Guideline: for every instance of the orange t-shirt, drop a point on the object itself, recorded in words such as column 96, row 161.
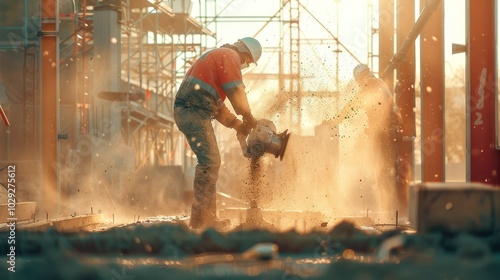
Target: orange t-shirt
column 216, row 71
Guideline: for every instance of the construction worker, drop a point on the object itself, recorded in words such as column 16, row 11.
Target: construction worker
column 215, row 75
column 384, row 119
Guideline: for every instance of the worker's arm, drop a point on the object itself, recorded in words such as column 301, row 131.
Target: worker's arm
column 226, row 118
column 232, row 84
column 238, row 98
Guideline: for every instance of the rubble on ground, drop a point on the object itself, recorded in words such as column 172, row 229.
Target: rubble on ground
column 172, row 251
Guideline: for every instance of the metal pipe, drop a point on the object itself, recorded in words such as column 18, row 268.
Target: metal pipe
column 84, row 72
column 129, row 45
column 412, row 36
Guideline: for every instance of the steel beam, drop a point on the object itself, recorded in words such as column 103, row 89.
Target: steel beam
column 482, row 156
column 405, row 99
column 432, row 95
column 49, row 84
column 4, row 116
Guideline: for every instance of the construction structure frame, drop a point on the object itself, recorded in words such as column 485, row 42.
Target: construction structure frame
column 86, row 89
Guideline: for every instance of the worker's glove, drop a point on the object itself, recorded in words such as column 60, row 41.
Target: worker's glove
column 236, row 125
column 242, row 137
column 249, row 123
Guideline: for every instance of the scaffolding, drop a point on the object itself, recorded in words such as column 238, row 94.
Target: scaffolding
column 161, row 39
column 153, row 39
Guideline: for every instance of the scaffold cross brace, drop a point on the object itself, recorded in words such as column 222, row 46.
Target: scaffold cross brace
column 4, row 116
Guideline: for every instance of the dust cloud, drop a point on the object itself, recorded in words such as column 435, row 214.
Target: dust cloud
column 105, row 180
column 324, row 177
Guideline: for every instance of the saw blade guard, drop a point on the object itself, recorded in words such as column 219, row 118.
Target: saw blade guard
column 264, row 139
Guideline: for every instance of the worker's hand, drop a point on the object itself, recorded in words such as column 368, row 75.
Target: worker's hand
column 236, row 125
column 242, row 139
column 240, row 133
column 249, row 123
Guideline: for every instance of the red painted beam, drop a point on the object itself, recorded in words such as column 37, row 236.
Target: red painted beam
column 405, row 99
column 49, row 66
column 4, row 116
column 482, row 153
column 432, row 96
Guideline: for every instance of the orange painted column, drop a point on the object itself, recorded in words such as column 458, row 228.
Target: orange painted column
column 482, row 155
column 49, row 81
column 432, row 96
column 405, row 99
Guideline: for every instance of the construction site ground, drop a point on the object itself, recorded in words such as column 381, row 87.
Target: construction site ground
column 166, row 248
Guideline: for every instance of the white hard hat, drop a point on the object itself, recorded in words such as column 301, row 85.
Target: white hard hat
column 250, row 46
column 360, row 72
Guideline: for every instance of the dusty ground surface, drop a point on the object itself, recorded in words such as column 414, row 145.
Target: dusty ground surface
column 172, row 251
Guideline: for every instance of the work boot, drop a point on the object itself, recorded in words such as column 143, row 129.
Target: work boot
column 220, row 224
column 197, row 223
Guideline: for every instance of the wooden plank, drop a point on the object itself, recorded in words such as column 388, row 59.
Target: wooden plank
column 71, row 224
column 68, row 224
column 23, row 211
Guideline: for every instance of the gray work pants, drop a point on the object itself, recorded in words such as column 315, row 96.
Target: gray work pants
column 195, row 123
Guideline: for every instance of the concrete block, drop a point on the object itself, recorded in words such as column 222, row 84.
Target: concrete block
column 454, row 207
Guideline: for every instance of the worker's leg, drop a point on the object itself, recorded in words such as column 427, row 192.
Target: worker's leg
column 197, row 128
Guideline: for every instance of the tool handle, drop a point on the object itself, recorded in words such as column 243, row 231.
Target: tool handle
column 243, row 144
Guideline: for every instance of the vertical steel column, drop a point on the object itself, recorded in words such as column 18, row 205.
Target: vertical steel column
column 295, row 81
column 405, row 99
column 482, row 156
column 49, row 43
column 30, row 102
column 281, row 54
column 85, row 107
column 432, row 96
column 386, row 40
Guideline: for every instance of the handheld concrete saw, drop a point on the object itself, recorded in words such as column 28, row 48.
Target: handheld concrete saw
column 264, row 139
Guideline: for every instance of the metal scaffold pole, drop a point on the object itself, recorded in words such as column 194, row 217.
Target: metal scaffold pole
column 295, row 91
